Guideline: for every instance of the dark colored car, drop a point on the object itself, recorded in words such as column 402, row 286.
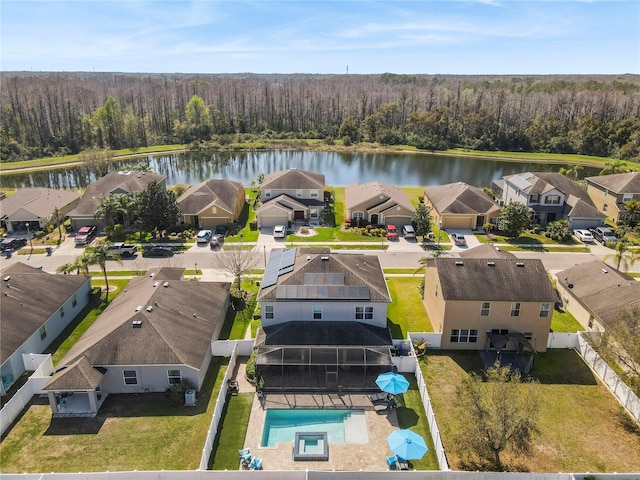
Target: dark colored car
column 216, row 242
column 12, row 243
column 157, row 252
column 221, row 231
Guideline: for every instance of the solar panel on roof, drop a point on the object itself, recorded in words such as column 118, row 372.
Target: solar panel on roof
column 520, row 182
column 280, row 262
column 324, row 278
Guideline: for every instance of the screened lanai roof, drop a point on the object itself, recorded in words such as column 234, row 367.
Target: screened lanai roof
column 299, row 355
column 325, row 333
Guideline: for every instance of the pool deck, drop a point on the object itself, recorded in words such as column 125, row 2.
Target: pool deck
column 345, row 456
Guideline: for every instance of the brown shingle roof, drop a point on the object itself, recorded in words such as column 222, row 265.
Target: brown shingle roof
column 80, row 375
column 498, row 279
column 29, row 298
column 39, row 201
column 460, row 198
column 618, row 182
column 601, row 289
column 293, row 178
column 217, row 192
column 371, row 192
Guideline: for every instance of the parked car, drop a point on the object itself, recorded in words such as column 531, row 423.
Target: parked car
column 12, row 243
column 604, row 235
column 221, row 231
column 392, row 232
column 279, row 231
column 85, row 235
column 125, row 250
column 408, row 231
column 204, row 236
column 583, row 235
column 458, row 239
column 216, row 242
column 157, row 252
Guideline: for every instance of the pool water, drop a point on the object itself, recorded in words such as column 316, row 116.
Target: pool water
column 342, row 426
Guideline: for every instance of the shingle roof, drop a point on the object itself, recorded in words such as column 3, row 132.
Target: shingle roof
column 39, row 201
column 374, row 193
column 486, row 251
column 460, row 198
column 601, row 289
column 497, row 279
column 177, row 324
column 323, row 334
column 358, row 271
column 130, row 182
column 80, row 375
column 542, row 182
column 29, row 298
column 293, row 178
column 582, row 209
column 618, row 182
column 217, row 192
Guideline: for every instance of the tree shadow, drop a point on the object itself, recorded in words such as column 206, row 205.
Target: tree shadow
column 562, row 367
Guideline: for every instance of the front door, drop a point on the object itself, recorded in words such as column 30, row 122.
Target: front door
column 374, row 219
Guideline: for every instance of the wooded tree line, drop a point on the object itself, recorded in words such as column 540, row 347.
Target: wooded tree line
column 55, row 114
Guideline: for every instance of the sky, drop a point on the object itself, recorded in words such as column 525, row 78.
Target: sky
column 499, row 37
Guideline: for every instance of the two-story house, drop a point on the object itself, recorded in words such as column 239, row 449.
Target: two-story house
column 550, row 196
column 378, row 203
column 324, row 321
column 489, row 303
column 290, row 196
column 610, row 192
column 214, row 202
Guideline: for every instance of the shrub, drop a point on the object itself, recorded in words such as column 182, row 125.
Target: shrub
column 176, row 391
column 304, row 230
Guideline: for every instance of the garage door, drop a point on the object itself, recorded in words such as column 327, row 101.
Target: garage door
column 398, row 221
column 458, row 222
column 272, row 221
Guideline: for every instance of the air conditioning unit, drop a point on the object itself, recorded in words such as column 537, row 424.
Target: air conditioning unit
column 190, row 398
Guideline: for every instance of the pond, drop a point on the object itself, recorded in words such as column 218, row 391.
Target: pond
column 339, row 168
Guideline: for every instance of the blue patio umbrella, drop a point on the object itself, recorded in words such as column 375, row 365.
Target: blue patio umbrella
column 392, row 382
column 407, row 444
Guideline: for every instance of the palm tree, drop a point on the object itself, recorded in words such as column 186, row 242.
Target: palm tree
column 98, row 255
column 79, row 265
column 614, row 166
column 125, row 205
column 624, row 256
column 106, row 210
column 632, row 208
column 572, row 172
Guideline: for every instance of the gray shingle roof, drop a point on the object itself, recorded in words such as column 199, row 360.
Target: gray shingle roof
column 601, row 289
column 542, row 182
column 618, row 182
column 292, row 179
column 486, row 251
column 80, row 375
column 324, row 334
column 358, row 193
column 496, row 279
column 39, row 201
column 217, row 192
column 460, row 198
column 29, row 298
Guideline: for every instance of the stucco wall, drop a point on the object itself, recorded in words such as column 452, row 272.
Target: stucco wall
column 331, row 311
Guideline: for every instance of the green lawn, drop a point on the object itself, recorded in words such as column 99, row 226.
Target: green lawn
column 247, row 217
column 583, row 428
column 406, row 311
column 563, row 321
column 527, row 238
column 232, row 432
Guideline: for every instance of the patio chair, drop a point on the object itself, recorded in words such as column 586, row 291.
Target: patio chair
column 244, row 453
column 234, row 387
column 256, row 464
column 392, row 462
column 378, row 397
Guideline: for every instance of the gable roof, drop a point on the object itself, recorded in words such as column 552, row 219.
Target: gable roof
column 543, row 182
column 375, row 193
column 460, row 198
column 80, row 375
column 618, row 182
column 497, row 279
column 581, row 209
column 38, row 201
column 123, row 182
column 215, row 192
column 177, row 322
column 293, row 179
column 288, row 203
column 324, row 333
column 21, row 315
column 602, row 289
column 486, row 251
column 315, row 273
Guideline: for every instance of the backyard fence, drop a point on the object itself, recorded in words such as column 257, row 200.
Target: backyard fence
column 623, row 393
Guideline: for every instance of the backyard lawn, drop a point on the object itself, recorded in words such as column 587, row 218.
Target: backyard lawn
column 563, row 321
column 583, row 427
column 406, row 312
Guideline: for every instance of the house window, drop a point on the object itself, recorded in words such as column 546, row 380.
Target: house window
column 74, row 300
column 314, row 194
column 313, row 214
column 268, row 312
column 528, row 335
column 627, row 196
column 267, row 193
column 485, row 309
column 545, row 308
column 43, row 332
column 130, row 377
column 61, row 311
column 364, row 313
column 515, row 309
column 552, row 200
column 358, row 215
column 591, row 321
column 464, row 336
column 535, row 198
column 604, row 207
column 606, row 192
column 298, row 193
column 175, row 377
column 317, row 312
column 214, row 209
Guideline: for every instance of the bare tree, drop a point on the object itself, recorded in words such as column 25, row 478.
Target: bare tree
column 621, row 341
column 236, row 262
column 97, row 160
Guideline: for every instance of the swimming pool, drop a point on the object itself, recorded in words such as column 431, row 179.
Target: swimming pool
column 342, row 426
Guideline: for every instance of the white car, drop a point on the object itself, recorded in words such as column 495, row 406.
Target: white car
column 203, row 236
column 583, row 235
column 408, row 231
column 458, row 239
column 279, row 231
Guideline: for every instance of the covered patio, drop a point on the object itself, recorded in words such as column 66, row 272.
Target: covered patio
column 512, row 349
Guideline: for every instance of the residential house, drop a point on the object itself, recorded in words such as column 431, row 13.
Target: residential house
column 489, row 303
column 378, row 203
column 211, row 203
column 550, row 196
column 596, row 293
column 290, row 196
column 37, row 207
column 156, row 333
column 610, row 192
column 486, row 251
column 324, row 321
column 124, row 182
column 36, row 308
column 459, row 205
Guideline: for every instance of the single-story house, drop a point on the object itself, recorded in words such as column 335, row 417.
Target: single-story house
column 156, row 333
column 486, row 251
column 290, row 196
column 129, row 183
column 214, row 202
column 459, row 205
column 36, row 307
column 378, row 203
column 596, row 293
column 610, row 192
column 37, row 207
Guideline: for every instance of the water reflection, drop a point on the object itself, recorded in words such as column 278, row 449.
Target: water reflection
column 340, row 168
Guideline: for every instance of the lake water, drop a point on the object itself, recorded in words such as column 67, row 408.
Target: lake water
column 339, row 168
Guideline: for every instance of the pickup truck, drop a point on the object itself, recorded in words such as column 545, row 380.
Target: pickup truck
column 124, row 249
column 85, row 235
column 603, row 235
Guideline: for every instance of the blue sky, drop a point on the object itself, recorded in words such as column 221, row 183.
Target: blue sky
column 326, row 36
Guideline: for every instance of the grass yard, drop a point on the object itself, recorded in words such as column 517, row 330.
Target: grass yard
column 563, row 321
column 406, row 311
column 246, row 218
column 583, row 427
column 166, row 436
column 232, row 432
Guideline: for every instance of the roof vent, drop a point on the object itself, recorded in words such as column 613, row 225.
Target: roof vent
column 491, row 264
column 152, row 274
column 460, row 264
column 165, row 284
column 138, row 308
column 155, row 284
column 7, row 278
column 308, row 257
column 149, row 308
column 519, row 264
column 604, row 270
column 324, row 259
column 136, row 324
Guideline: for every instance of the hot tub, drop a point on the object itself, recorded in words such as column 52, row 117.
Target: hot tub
column 311, row 446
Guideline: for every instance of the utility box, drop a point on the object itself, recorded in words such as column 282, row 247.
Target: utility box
column 190, row 398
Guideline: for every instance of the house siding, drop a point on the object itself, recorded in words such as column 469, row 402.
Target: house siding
column 579, row 311
column 151, row 378
column 331, row 311
column 306, row 193
column 599, row 199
